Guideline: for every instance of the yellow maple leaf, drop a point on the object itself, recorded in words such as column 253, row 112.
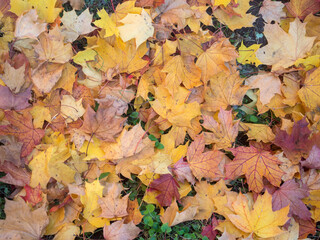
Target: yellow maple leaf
column 46, row 8
column 284, row 48
column 223, row 132
column 236, row 21
column 174, row 107
column 247, row 54
column 224, row 90
column 136, row 26
column 213, row 60
column 309, row 93
column 181, row 69
column 259, row 218
column 105, row 22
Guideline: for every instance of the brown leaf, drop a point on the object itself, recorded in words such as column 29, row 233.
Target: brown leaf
column 134, row 213
column 120, row 231
column 168, row 188
column 255, row 163
column 204, row 164
column 291, row 193
column 302, row 8
column 104, row 123
column 182, row 171
column 19, row 101
column 112, row 205
column 23, row 223
column 21, row 126
column 15, row 175
column 297, row 144
column 313, row 161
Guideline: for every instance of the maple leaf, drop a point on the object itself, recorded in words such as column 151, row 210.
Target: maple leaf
column 168, row 188
column 247, row 54
column 33, row 195
column 104, row 123
column 224, row 90
column 272, row 11
column 260, row 132
column 309, row 93
column 259, row 218
column 27, row 25
column 213, row 60
column 204, row 164
column 106, row 23
column 239, row 19
column 268, row 83
column 284, row 48
column 172, row 216
column 13, row 78
column 174, row 107
column 209, row 231
column 19, row 101
column 302, row 8
column 74, row 25
column 297, row 144
column 14, row 175
column 119, row 230
column 255, row 163
column 223, row 133
column 291, row 193
column 21, row 126
column 313, row 160
column 45, row 8
column 181, row 69
column 23, row 223
column 182, row 171
column 112, row 205
column 136, row 26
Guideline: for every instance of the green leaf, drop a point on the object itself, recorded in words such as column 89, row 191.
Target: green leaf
column 148, row 221
column 150, row 208
column 159, row 145
column 103, row 175
column 152, row 137
column 165, row 228
column 134, row 115
column 253, row 119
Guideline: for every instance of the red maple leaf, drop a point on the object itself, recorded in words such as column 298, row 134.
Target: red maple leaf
column 297, row 143
column 21, row 126
column 168, row 188
column 291, row 193
column 33, row 195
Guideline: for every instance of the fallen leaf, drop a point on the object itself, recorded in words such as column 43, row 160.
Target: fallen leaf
column 297, row 144
column 172, row 216
column 28, row 26
column 213, row 60
column 224, row 91
column 136, row 26
column 23, row 223
column 21, row 126
column 13, row 78
column 255, row 163
column 120, row 231
column 268, row 83
column 104, row 124
column 284, row 48
column 204, row 165
column 19, row 101
column 290, row 194
column 71, row 109
column 302, row 8
column 224, row 132
column 272, row 11
column 75, row 25
column 33, row 195
column 309, row 93
column 168, row 188
column 112, row 205
column 259, row 218
column 182, row 171
column 313, row 160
